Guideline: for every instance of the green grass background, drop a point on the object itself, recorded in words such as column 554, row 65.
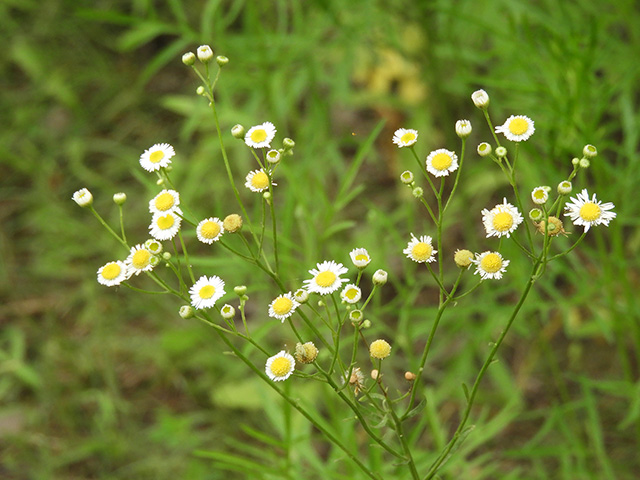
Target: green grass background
column 102, row 383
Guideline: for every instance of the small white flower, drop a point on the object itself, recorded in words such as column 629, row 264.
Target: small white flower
column 260, row 136
column 517, row 128
column 83, row 197
column 405, row 137
column 484, row 149
column 280, row 366
column 420, row 249
column 360, row 257
column 157, row 157
column 501, row 220
column 463, row 128
column 227, row 311
column 379, row 278
column 326, row 278
column 205, row 54
column 283, row 306
column 351, row 294
column 589, row 212
column 165, row 201
column 209, row 230
column 539, row 195
column 490, row 265
column 257, row 181
column 139, row 260
column 206, row 291
column 113, row 273
column 165, row 226
column 565, row 187
column 442, row 162
column 480, row 99
column 273, row 156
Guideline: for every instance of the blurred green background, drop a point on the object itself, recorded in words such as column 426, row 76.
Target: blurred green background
column 100, row 383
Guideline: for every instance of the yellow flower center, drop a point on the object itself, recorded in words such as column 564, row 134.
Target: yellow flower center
column 518, row 126
column 361, row 257
column 164, row 201
column 210, row 229
column 156, row 156
column 140, row 259
column 539, row 194
column 502, row 221
column 280, row 366
column 207, row 292
column 282, row 306
column 590, row 212
column 491, row 263
column 260, row 180
column 111, row 271
column 259, row 135
column 421, row 251
column 351, row 293
column 379, row 349
column 441, row 161
column 326, row 279
column 166, row 222
column 408, row 137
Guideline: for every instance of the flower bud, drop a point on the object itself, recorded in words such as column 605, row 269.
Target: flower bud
column 83, row 198
column 301, row 295
column 238, row 131
column 380, row 349
column 273, row 157
column 200, row 91
column 240, row 290
column 288, row 144
column 189, row 58
column 119, row 198
column 375, row 374
column 463, row 258
column 409, row 376
column 535, row 214
column 418, row 192
column 463, row 128
column 501, row 152
column 575, row 161
column 154, row 246
column 539, row 195
column 205, row 54
column 227, row 312
column 555, row 227
column 366, row 324
column 306, row 352
column 484, row 149
column 589, row 151
column 155, row 260
column 221, row 60
column 379, row 278
column 356, row 316
column 584, row 163
column 187, row 311
column 565, row 187
column 406, row 177
column 480, row 99
column 166, row 256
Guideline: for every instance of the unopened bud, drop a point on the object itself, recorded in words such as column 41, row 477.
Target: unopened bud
column 119, row 198
column 189, row 58
column 205, row 54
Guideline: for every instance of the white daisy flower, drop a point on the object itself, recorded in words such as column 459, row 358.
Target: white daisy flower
column 210, row 230
column 206, row 291
column 517, row 128
column 83, row 197
column 351, row 294
column 501, row 220
column 283, row 306
column 539, row 195
column 490, row 265
column 326, row 278
column 280, row 366
column 165, row 201
column 420, row 249
column 257, row 181
column 165, row 226
column 589, row 212
column 442, row 162
column 157, row 157
column 405, row 137
column 360, row 257
column 139, row 260
column 113, row 273
column 260, row 136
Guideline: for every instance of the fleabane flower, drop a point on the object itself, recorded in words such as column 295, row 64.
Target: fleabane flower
column 157, row 157
column 257, row 181
column 501, row 220
column 380, row 349
column 165, row 226
column 490, row 265
column 589, row 212
column 206, row 291
column 442, row 162
column 139, row 260
column 539, row 195
column 210, row 230
column 351, row 294
column 280, row 366
column 283, row 306
column 326, row 278
column 165, row 201
column 420, row 249
column 405, row 137
column 83, row 197
column 113, row 273
column 260, row 136
column 360, row 257
column 517, row 128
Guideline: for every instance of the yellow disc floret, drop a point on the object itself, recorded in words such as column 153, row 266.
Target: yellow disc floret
column 280, row 366
column 156, row 156
column 111, row 271
column 408, row 137
column 518, row 126
column 260, row 180
column 165, row 222
column 502, row 221
column 380, row 349
column 441, row 161
column 141, row 259
column 590, row 212
column 422, row 251
column 491, row 263
column 326, row 279
column 164, row 201
column 207, row 291
column 282, row 306
column 259, row 135
column 210, row 230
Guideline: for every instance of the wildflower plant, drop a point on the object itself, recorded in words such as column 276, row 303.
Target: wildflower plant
column 325, row 306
